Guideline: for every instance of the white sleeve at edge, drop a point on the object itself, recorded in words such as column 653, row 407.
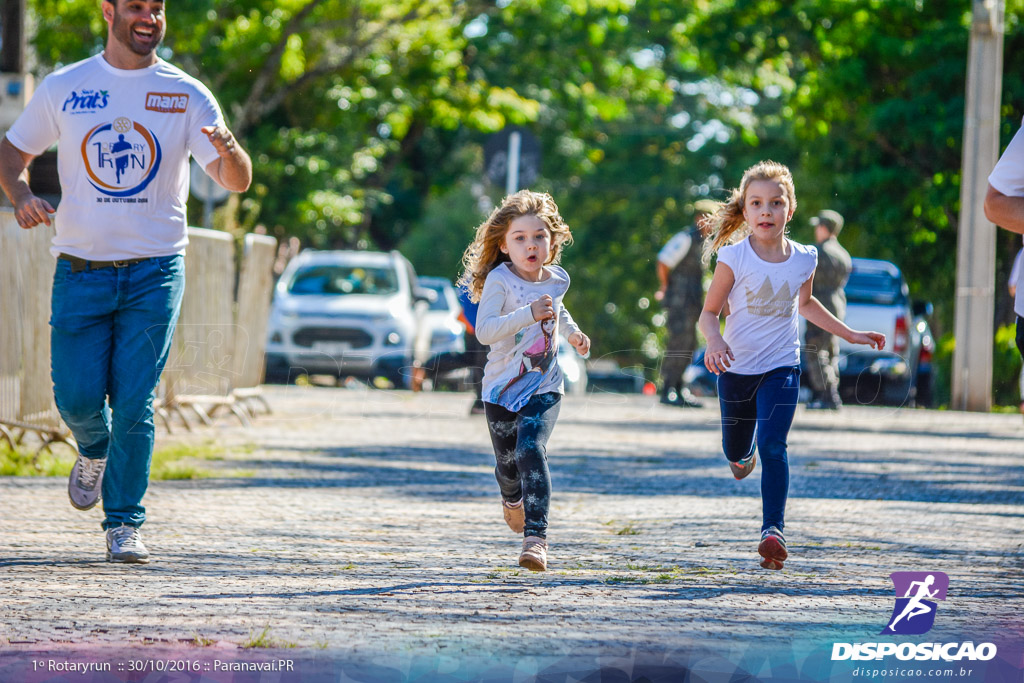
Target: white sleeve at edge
column 36, row 127
column 491, row 326
column 566, row 325
column 1008, row 175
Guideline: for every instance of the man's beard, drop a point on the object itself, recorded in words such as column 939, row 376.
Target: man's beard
column 124, row 34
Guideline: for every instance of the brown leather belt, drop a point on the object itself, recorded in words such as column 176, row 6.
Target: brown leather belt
column 80, row 264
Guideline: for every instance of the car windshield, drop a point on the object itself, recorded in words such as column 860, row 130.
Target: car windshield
column 440, row 303
column 873, row 287
column 335, row 279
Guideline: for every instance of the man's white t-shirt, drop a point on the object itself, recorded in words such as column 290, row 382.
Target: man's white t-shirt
column 762, row 327
column 123, row 144
column 1008, row 178
column 675, row 249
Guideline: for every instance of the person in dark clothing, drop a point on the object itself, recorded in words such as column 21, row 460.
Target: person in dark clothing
column 474, row 357
column 821, row 349
column 681, row 277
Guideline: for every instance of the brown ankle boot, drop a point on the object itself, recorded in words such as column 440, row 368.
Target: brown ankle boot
column 535, row 554
column 514, row 514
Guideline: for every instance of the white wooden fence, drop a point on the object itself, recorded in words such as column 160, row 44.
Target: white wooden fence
column 26, row 280
column 216, row 355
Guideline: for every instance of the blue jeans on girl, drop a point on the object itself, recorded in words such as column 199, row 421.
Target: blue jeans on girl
column 520, row 451
column 110, row 335
column 761, row 407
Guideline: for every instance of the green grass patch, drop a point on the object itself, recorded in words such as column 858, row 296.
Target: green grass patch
column 174, row 461
column 625, row 579
column 18, row 462
column 857, row 546
column 666, row 574
column 178, row 461
column 502, row 573
column 263, row 639
column 648, row 567
column 630, row 529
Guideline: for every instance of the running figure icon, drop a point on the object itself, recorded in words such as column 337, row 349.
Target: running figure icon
column 915, row 607
column 916, row 596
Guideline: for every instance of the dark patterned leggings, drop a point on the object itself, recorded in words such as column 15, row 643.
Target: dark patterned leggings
column 520, row 451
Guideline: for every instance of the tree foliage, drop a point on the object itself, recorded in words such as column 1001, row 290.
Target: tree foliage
column 366, row 120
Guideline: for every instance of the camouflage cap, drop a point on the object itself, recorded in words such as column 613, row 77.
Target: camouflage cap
column 705, row 206
column 829, row 219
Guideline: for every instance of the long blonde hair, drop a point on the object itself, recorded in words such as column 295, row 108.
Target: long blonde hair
column 727, row 225
column 484, row 253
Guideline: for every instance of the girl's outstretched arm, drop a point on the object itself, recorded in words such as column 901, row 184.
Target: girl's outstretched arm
column 491, row 325
column 572, row 332
column 812, row 309
column 717, row 356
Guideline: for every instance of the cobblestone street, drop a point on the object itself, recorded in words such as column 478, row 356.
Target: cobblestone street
column 371, row 523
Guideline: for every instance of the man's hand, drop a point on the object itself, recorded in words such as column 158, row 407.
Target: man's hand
column 222, row 139
column 31, row 211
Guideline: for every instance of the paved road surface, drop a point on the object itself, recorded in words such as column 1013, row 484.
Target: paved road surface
column 371, row 523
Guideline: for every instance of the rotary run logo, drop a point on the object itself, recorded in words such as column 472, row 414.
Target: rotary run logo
column 914, row 612
column 121, row 157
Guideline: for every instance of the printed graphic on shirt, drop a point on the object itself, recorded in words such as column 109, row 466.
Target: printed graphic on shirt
column 167, row 103
column 767, row 303
column 535, row 361
column 86, row 101
column 121, row 157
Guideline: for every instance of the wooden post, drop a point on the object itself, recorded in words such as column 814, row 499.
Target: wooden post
column 976, row 242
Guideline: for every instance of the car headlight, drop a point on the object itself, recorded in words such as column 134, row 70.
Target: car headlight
column 289, row 315
column 393, row 339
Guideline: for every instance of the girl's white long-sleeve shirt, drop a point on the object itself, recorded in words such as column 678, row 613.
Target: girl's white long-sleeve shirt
column 523, row 356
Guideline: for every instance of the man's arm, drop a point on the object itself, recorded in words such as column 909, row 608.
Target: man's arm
column 29, row 209
column 233, row 170
column 662, row 281
column 1005, row 211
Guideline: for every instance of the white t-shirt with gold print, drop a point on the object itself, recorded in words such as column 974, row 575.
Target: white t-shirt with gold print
column 762, row 327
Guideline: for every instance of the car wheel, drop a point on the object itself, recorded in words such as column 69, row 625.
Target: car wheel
column 924, row 389
column 396, row 371
column 276, row 370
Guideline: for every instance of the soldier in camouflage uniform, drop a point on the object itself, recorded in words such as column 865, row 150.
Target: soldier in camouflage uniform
column 681, row 276
column 821, row 349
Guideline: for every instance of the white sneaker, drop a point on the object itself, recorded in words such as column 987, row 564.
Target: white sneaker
column 124, row 544
column 85, row 484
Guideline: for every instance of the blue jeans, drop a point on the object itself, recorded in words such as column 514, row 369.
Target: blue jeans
column 110, row 335
column 520, row 450
column 761, row 407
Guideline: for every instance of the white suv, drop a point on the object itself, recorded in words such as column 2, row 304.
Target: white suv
column 343, row 313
